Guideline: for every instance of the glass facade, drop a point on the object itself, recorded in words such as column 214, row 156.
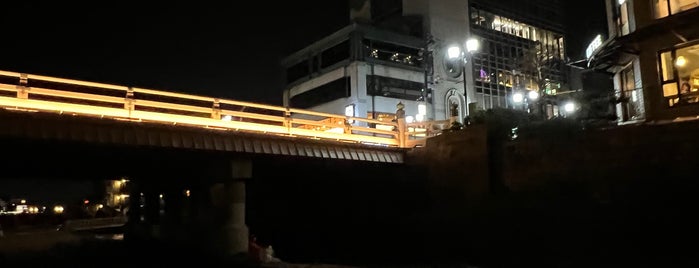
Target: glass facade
column 514, row 57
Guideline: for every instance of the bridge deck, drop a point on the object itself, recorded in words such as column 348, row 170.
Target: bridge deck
column 54, row 127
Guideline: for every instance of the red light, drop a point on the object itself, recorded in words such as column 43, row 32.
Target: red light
column 86, row 201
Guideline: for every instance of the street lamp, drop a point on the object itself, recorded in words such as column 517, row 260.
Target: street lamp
column 421, row 110
column 454, row 52
column 472, row 45
column 521, row 98
column 533, row 95
column 569, row 107
column 518, row 97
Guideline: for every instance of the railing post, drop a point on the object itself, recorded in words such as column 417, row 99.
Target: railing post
column 347, row 126
column 402, row 128
column 129, row 100
column 287, row 119
column 22, row 88
column 216, row 110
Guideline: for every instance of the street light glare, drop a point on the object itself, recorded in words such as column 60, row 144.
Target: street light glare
column 472, row 45
column 569, row 107
column 518, row 97
column 533, row 95
column 454, row 52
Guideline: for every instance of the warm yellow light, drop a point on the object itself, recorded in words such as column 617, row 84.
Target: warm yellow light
column 58, row 209
column 681, row 61
column 134, row 109
column 23, row 201
column 338, row 130
column 189, row 120
column 186, row 193
column 100, row 206
column 161, row 196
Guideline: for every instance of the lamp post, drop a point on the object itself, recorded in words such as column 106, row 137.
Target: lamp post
column 525, row 99
column 455, row 53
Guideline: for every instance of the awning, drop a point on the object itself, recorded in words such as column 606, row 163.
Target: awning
column 617, row 51
column 614, row 53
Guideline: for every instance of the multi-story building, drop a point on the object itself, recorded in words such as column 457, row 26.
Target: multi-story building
column 116, row 194
column 421, row 53
column 653, row 52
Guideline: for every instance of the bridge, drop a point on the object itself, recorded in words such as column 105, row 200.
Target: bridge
column 67, row 97
column 168, row 144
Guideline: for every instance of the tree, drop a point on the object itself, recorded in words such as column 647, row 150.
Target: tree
column 536, row 64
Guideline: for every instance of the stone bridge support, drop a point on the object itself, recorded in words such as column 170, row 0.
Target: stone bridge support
column 229, row 199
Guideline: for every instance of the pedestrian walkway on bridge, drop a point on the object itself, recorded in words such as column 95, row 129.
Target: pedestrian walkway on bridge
column 37, row 93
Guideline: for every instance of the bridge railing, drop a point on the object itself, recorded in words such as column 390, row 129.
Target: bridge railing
column 28, row 92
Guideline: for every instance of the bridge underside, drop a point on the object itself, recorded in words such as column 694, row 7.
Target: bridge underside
column 46, row 128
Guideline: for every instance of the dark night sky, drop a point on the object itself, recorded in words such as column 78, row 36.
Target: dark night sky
column 209, row 49
column 585, row 19
column 212, row 49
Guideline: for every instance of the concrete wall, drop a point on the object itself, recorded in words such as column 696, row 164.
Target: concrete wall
column 457, row 164
column 602, row 158
column 619, row 195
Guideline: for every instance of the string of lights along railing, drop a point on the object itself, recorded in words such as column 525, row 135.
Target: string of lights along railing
column 37, row 93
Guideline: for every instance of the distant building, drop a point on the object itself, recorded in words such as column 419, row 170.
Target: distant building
column 116, row 194
column 653, row 53
column 417, row 52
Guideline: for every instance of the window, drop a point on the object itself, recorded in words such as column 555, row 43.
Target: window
column 394, row 88
column 298, row 71
column 335, row 54
column 630, row 108
column 334, row 90
column 664, row 8
column 389, row 52
column 679, row 75
column 624, row 18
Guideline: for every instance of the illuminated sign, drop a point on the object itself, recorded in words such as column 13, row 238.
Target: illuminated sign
column 349, row 112
column 594, row 45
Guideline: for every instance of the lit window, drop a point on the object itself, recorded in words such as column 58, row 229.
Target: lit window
column 664, row 8
column 679, row 73
column 623, row 18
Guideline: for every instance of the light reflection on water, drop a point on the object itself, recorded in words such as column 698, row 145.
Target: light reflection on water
column 114, row 237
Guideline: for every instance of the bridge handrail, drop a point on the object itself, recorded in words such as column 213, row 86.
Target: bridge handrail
column 93, row 102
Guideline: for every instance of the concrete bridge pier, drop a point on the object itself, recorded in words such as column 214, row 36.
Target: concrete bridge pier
column 145, row 204
column 175, row 208
column 206, row 213
column 133, row 223
column 152, row 210
column 228, row 197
